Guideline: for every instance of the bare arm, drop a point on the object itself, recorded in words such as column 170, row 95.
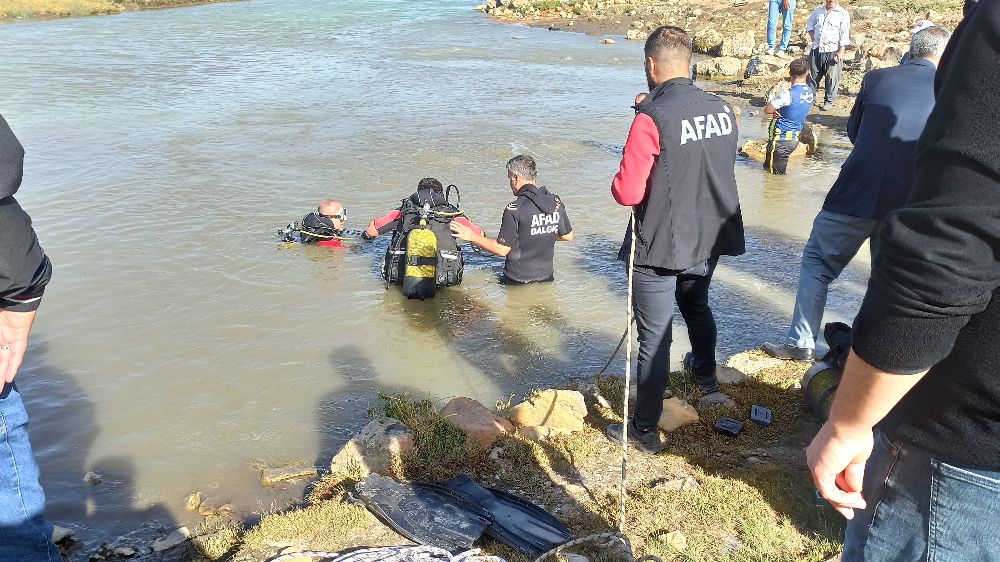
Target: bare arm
column 463, row 232
column 838, row 454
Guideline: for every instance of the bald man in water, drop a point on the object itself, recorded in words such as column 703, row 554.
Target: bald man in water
column 325, row 226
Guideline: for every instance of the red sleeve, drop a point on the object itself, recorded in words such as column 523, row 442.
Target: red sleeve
column 466, row 222
column 383, row 221
column 641, row 149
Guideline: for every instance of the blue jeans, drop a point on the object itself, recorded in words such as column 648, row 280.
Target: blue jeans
column 776, row 7
column 654, row 292
column 920, row 508
column 834, row 241
column 25, row 535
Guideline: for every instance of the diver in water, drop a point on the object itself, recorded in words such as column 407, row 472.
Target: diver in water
column 325, row 227
column 429, row 191
column 423, row 255
column 532, row 224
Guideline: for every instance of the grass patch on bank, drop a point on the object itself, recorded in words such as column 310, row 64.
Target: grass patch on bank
column 752, row 498
column 15, row 9
column 36, row 8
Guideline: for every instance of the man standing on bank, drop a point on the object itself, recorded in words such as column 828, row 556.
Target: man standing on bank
column 911, row 452
column 532, row 224
column 24, row 272
column 888, row 116
column 829, row 28
column 785, row 9
column 677, row 173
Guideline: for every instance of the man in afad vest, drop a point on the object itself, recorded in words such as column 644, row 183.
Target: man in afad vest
column 532, row 224
column 677, row 173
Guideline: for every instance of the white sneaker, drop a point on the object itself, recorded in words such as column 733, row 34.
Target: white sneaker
column 770, row 51
column 782, row 54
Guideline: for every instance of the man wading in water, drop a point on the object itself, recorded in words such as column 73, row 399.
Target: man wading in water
column 678, row 174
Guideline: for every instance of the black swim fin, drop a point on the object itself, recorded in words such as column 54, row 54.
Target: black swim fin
column 426, row 515
column 512, row 520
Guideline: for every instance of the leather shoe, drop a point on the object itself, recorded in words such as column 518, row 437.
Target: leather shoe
column 789, row 352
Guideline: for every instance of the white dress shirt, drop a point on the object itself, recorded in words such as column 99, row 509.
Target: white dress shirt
column 831, row 30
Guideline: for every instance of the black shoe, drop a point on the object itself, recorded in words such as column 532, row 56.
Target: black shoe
column 706, row 381
column 789, row 352
column 647, row 442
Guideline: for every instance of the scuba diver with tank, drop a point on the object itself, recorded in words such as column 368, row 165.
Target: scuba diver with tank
column 422, row 255
column 325, row 227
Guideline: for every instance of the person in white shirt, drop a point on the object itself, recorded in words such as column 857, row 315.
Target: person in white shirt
column 829, row 27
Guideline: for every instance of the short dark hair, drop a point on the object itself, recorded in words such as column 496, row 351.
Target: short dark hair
column 799, row 67
column 522, row 165
column 669, row 42
column 430, row 183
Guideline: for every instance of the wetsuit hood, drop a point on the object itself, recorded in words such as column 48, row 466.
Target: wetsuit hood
column 11, row 161
column 540, row 196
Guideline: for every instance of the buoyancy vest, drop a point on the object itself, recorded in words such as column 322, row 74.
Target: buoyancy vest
column 423, row 255
column 314, row 228
column 692, row 209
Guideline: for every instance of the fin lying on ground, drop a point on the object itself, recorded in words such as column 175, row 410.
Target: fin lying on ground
column 513, row 521
column 423, row 514
column 454, row 513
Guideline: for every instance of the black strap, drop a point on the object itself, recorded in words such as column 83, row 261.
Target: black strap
column 447, row 195
column 420, row 260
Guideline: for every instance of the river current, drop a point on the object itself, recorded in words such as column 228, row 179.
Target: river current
column 181, row 346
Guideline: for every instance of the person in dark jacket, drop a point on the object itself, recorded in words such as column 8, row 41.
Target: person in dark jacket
column 24, row 273
column 532, row 224
column 911, row 452
column 677, row 173
column 888, row 116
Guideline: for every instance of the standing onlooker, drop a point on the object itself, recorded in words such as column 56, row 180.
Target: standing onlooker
column 924, row 484
column 789, row 109
column 829, row 28
column 785, row 8
column 677, row 172
column 888, row 116
column 24, row 272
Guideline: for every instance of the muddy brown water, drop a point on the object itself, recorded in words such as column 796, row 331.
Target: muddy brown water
column 180, row 345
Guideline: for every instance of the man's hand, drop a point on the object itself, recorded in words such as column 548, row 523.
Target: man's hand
column 14, row 329
column 840, row 55
column 786, row 4
column 837, row 463
column 459, row 230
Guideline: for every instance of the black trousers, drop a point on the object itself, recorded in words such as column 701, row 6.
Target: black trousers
column 824, row 65
column 654, row 293
column 778, row 151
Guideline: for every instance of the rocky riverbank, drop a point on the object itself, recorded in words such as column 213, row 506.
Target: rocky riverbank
column 21, row 9
column 733, row 33
column 709, row 497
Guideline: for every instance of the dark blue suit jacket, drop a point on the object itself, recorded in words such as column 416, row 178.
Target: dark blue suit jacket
column 888, row 116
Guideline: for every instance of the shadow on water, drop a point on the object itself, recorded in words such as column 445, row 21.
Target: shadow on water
column 64, row 461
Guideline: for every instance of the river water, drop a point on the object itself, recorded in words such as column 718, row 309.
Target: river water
column 180, row 345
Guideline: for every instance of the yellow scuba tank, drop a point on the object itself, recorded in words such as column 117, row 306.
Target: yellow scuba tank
column 420, row 276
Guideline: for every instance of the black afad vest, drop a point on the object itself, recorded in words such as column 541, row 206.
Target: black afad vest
column 692, row 209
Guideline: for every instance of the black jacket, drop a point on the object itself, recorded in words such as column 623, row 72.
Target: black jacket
column 888, row 116
column 692, row 210
column 934, row 296
column 24, row 269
